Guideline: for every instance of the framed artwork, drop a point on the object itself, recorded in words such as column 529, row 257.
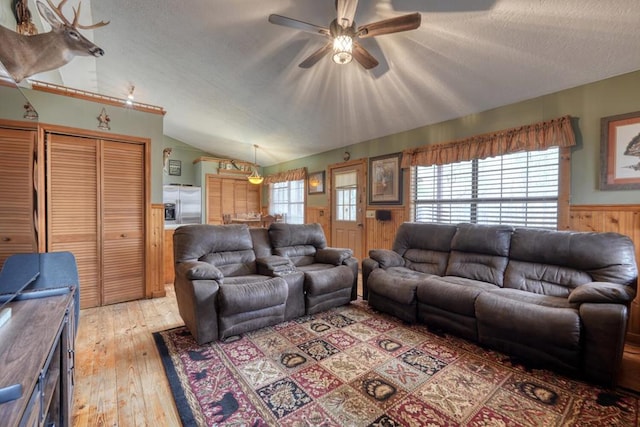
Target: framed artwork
column 175, row 167
column 620, row 152
column 316, row 183
column 385, row 180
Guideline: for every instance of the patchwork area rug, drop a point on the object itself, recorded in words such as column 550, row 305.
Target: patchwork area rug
column 352, row 366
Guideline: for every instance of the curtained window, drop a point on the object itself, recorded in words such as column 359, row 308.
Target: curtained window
column 509, row 177
column 286, row 195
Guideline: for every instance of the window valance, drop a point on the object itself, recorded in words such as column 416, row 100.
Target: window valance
column 538, row 136
column 290, row 175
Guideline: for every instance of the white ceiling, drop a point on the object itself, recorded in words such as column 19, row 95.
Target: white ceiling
column 229, row 79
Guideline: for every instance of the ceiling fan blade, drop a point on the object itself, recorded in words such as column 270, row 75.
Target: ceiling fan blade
column 346, row 11
column 298, row 25
column 393, row 25
column 363, row 56
column 316, row 56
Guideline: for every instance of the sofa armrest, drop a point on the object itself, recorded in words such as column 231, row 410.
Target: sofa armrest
column 386, row 258
column 198, row 270
column 602, row 292
column 274, row 265
column 335, row 256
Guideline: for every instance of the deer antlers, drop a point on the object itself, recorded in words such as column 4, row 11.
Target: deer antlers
column 76, row 14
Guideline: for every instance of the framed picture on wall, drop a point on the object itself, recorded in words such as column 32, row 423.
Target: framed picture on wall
column 385, row 180
column 620, row 152
column 175, row 167
column 316, row 183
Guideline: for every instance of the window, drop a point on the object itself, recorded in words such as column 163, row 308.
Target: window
column 346, row 191
column 519, row 189
column 287, row 198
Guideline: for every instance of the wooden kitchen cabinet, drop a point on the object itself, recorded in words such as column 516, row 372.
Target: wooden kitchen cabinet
column 233, row 196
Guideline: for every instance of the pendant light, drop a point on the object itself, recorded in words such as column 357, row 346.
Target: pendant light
column 255, row 177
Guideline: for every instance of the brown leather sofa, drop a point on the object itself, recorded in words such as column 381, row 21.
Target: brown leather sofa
column 231, row 279
column 554, row 299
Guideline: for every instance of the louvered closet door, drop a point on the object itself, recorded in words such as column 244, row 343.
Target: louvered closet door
column 17, row 205
column 123, row 222
column 240, row 197
column 73, row 206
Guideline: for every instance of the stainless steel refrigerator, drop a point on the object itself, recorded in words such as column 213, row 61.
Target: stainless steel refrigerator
column 182, row 204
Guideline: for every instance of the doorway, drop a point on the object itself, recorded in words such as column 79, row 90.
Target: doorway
column 348, row 206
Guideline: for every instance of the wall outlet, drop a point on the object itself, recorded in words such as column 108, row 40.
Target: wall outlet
column 371, row 214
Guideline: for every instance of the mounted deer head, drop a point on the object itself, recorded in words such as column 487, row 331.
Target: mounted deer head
column 24, row 56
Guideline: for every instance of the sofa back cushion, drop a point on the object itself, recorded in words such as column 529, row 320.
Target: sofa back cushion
column 480, row 252
column 298, row 242
column 228, row 247
column 555, row 262
column 424, row 246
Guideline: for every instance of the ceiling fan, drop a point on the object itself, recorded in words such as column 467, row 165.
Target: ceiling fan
column 342, row 34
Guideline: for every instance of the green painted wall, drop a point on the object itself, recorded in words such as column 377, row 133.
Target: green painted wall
column 186, row 154
column 587, row 103
column 66, row 111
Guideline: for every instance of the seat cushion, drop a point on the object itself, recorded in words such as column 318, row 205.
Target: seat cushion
column 249, row 306
column 454, row 294
column 540, row 328
column 397, row 284
column 318, row 281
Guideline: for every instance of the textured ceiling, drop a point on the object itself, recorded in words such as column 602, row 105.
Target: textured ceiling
column 229, row 79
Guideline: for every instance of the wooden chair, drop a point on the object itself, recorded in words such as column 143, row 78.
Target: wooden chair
column 267, row 220
column 226, row 218
column 279, row 218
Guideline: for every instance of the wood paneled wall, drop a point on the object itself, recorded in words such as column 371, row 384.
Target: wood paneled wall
column 321, row 215
column 155, row 249
column 380, row 234
column 623, row 219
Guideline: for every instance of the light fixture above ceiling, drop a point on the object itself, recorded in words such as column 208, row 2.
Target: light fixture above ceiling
column 255, row 177
column 130, row 98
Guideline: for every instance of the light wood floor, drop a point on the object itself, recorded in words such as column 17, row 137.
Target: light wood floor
column 120, row 380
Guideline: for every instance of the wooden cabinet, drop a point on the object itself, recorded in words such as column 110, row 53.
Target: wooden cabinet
column 231, row 196
column 96, row 210
column 38, row 353
column 18, row 229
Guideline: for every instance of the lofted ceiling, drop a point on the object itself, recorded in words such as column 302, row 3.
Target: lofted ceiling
column 229, row 79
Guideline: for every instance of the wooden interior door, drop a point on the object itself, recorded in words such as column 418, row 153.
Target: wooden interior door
column 123, row 224
column 348, row 206
column 17, row 198
column 73, row 170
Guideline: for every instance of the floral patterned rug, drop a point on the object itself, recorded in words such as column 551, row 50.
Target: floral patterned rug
column 352, row 366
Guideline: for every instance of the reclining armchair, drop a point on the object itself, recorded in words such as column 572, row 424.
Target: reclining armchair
column 330, row 274
column 223, row 289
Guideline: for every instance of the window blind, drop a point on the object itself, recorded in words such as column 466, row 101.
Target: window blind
column 519, row 189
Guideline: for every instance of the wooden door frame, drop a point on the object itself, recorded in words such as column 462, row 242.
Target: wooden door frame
column 150, row 289
column 363, row 188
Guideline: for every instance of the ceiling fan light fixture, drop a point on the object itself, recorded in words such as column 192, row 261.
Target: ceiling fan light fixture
column 342, row 48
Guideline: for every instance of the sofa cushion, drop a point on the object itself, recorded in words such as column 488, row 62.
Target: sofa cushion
column 475, row 266
column 335, row 256
column 454, row 294
column 426, row 261
column 606, row 257
column 386, row 258
column 479, row 252
column 192, row 242
column 283, row 235
column 539, row 328
column 327, row 280
column 599, row 292
column 544, row 279
column 234, row 263
column 394, row 285
column 483, row 239
column 419, row 235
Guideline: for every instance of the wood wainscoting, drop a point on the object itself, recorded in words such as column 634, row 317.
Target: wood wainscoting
column 155, row 253
column 380, row 234
column 623, row 219
column 321, row 215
